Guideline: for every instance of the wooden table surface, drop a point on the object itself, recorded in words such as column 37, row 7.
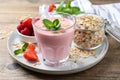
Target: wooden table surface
column 12, row 11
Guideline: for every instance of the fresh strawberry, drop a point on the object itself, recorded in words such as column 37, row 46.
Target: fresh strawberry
column 27, row 23
column 31, row 46
column 25, row 31
column 25, row 27
column 20, row 27
column 30, row 55
column 51, row 7
column 33, row 34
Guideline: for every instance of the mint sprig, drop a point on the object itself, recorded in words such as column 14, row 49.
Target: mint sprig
column 19, row 51
column 68, row 8
column 55, row 25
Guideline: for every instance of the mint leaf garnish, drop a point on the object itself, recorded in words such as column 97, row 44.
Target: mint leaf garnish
column 62, row 3
column 61, row 6
column 19, row 51
column 68, row 8
column 68, row 4
column 47, row 23
column 55, row 22
column 55, row 25
column 24, row 46
column 75, row 10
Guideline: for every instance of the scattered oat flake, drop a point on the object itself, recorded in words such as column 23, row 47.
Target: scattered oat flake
column 5, row 31
column 37, row 63
column 24, row 17
column 17, row 45
column 78, row 53
column 4, row 35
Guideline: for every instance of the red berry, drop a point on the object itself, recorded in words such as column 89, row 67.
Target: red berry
column 25, row 31
column 31, row 46
column 30, row 55
column 51, row 7
column 33, row 34
column 27, row 23
column 20, row 27
column 25, row 27
column 31, row 31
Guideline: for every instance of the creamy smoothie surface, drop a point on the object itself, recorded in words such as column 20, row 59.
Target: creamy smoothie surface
column 65, row 23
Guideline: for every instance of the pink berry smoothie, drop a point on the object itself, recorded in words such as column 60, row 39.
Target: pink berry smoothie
column 54, row 45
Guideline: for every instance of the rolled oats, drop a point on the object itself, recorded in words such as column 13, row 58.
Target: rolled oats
column 89, row 31
column 76, row 54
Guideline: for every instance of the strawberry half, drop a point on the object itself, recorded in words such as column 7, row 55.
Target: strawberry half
column 31, row 46
column 30, row 55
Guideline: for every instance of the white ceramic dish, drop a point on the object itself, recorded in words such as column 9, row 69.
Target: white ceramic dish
column 26, row 38
column 68, row 68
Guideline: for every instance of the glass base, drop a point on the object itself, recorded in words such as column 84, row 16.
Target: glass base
column 54, row 63
column 92, row 48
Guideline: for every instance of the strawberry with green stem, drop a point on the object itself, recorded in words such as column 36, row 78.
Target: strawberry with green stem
column 28, row 50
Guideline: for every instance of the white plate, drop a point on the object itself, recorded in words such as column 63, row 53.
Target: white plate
column 68, row 68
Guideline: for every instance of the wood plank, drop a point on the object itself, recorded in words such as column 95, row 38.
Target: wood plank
column 104, row 1
column 12, row 11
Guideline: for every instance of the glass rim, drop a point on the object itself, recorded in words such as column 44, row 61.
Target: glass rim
column 101, row 25
column 74, row 22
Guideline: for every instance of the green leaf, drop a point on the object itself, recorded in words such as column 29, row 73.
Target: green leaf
column 53, row 29
column 68, row 10
column 60, row 8
column 18, row 51
column 68, row 4
column 24, row 46
column 58, row 26
column 79, row 12
column 62, row 3
column 47, row 23
column 55, row 22
column 52, row 25
column 75, row 9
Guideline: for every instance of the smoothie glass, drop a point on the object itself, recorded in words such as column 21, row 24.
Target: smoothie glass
column 54, row 46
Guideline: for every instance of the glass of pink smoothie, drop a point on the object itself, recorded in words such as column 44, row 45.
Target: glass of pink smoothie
column 54, row 46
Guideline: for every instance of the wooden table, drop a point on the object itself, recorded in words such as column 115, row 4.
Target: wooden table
column 12, row 11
